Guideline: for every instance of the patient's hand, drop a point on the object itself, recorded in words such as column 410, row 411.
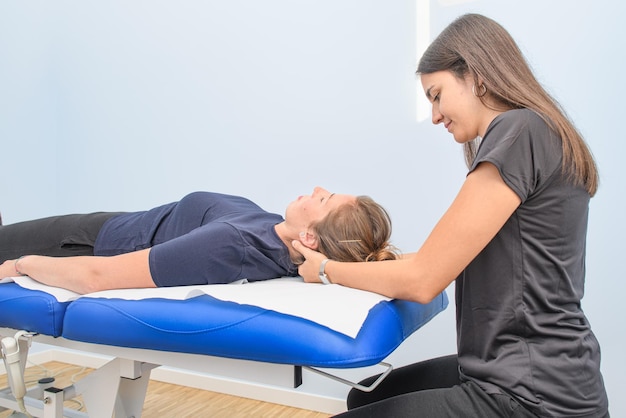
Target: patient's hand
column 7, row 269
column 310, row 269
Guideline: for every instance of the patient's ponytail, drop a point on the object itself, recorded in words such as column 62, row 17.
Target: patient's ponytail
column 359, row 231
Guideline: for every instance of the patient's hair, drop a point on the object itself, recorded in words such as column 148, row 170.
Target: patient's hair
column 358, row 231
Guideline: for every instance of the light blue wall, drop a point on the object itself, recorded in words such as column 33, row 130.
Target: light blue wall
column 123, row 105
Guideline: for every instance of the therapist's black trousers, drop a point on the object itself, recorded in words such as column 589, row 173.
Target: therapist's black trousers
column 430, row 389
column 58, row 236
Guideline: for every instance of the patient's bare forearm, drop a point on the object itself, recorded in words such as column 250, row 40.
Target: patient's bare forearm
column 72, row 273
column 88, row 274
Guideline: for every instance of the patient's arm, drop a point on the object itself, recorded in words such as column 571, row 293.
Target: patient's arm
column 89, row 274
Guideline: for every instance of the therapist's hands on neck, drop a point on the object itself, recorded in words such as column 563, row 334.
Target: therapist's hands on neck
column 309, row 270
column 370, row 276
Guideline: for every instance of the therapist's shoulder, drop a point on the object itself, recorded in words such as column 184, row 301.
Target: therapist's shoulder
column 521, row 118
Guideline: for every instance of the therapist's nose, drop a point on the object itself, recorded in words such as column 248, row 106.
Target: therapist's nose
column 437, row 116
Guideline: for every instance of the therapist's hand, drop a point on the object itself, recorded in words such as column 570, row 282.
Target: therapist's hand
column 310, row 269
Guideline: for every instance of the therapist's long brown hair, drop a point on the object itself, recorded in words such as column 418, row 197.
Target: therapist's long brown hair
column 476, row 45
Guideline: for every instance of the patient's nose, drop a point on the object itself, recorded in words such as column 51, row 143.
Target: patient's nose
column 318, row 190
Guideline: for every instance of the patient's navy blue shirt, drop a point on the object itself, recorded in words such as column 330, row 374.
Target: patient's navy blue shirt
column 205, row 238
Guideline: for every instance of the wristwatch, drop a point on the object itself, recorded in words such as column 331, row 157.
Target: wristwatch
column 323, row 277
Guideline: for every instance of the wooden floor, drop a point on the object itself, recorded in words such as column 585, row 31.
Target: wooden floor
column 166, row 400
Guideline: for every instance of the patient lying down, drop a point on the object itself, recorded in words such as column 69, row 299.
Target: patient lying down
column 205, row 238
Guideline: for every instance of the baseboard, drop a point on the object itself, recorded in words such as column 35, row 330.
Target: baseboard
column 282, row 396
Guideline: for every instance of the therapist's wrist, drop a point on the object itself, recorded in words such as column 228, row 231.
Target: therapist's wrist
column 322, row 272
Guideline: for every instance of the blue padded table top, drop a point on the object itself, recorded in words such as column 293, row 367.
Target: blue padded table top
column 31, row 310
column 206, row 325
column 210, row 326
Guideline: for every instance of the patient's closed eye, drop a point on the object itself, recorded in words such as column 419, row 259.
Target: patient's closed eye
column 329, row 196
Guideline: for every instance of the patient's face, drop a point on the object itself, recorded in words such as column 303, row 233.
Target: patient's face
column 311, row 208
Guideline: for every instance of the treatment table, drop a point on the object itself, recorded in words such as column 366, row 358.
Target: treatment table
column 277, row 322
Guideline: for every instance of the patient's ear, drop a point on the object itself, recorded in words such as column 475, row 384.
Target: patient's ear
column 309, row 240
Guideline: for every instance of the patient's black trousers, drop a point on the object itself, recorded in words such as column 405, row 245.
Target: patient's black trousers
column 59, row 236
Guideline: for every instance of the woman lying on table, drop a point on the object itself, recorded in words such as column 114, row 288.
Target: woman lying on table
column 205, row 238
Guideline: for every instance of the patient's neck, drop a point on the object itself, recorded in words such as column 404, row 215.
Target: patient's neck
column 287, row 237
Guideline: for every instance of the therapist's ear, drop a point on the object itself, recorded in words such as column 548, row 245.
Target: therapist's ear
column 309, row 240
